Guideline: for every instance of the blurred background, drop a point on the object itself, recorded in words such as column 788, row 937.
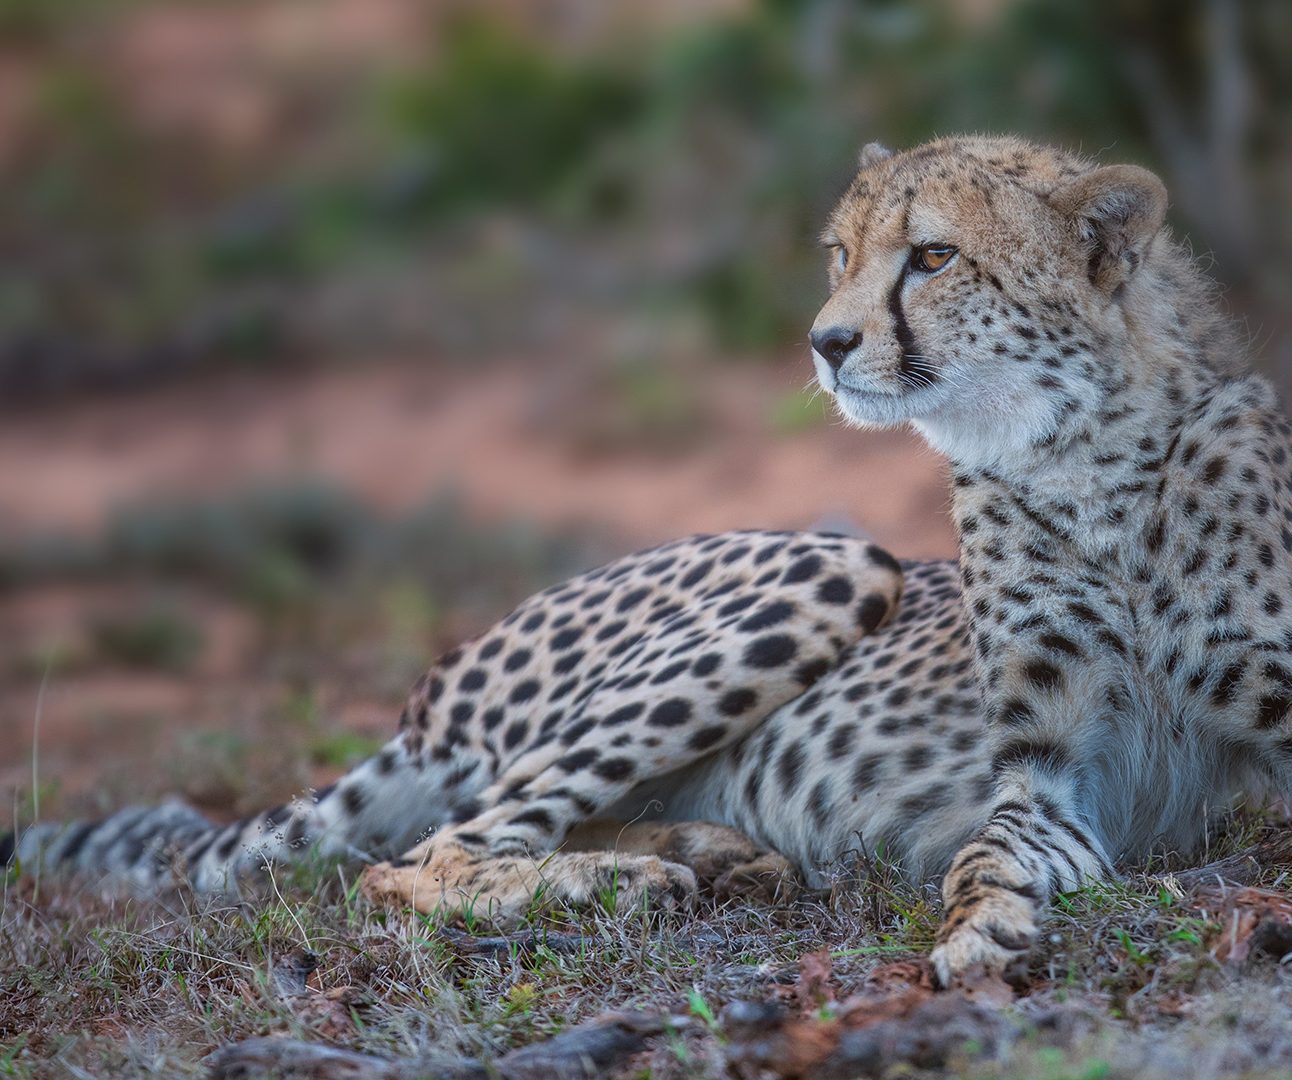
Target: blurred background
column 329, row 329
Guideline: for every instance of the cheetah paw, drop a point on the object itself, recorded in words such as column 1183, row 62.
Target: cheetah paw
column 989, row 937
column 769, row 878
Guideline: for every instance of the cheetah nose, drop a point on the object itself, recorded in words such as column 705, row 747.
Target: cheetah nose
column 835, row 344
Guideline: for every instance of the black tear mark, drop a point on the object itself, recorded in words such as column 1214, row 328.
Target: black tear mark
column 906, row 344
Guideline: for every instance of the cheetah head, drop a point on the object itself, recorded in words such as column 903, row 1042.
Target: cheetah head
column 980, row 289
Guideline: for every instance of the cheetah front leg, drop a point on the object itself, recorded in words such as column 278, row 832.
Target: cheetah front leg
column 697, row 675
column 1055, row 752
column 1001, row 881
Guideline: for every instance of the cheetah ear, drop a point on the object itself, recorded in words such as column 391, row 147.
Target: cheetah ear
column 872, row 154
column 1116, row 211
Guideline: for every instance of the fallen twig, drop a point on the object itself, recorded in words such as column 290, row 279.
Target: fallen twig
column 582, row 1053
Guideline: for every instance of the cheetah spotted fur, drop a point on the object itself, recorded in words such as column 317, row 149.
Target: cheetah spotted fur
column 1109, row 661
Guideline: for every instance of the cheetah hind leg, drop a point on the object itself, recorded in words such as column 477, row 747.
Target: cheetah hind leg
column 451, row 880
column 659, row 865
column 695, row 676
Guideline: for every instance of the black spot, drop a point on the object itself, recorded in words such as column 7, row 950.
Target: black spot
column 841, row 739
column 535, row 816
column 866, row 771
column 625, row 714
column 1273, row 710
column 668, row 674
column 353, row 799
column 614, row 768
column 610, row 630
column 735, row 702
column 736, row 606
column 1043, row 674
column 835, row 590
column 577, row 730
column 696, row 574
column 229, row 845
column 706, row 664
column 563, row 639
column 810, row 672
column 517, row 660
column 1061, row 643
column 461, row 773
column 769, row 651
column 1037, row 749
column 819, row 804
column 880, row 557
column 472, row 680
column 871, row 612
column 524, row 691
column 585, row 806
column 767, row 616
column 568, row 662
column 790, row 766
column 1014, row 712
column 514, row 734
column 534, row 622
column 1154, row 536
column 579, row 759
column 1229, row 680
column 630, row 600
column 707, row 737
column 670, row 713
column 803, row 569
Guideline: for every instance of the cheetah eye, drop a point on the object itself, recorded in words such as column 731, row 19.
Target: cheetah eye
column 932, row 257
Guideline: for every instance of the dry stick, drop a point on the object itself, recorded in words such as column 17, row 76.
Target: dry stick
column 1245, row 868
column 35, row 763
column 586, row 1051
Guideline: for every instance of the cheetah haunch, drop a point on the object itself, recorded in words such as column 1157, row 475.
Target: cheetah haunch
column 1110, row 660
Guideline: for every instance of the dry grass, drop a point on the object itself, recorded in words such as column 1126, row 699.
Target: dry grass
column 1125, row 983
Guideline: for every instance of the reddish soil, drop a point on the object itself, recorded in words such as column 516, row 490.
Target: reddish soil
column 506, row 438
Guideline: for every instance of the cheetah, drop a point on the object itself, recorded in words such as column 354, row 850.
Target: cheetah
column 1108, row 661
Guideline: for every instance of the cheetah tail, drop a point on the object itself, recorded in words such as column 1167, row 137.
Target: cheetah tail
column 379, row 808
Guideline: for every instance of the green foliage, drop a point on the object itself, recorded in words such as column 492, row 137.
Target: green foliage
column 733, row 132
column 158, row 638
column 503, row 122
column 32, row 20
column 342, row 748
column 311, row 527
column 799, row 411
